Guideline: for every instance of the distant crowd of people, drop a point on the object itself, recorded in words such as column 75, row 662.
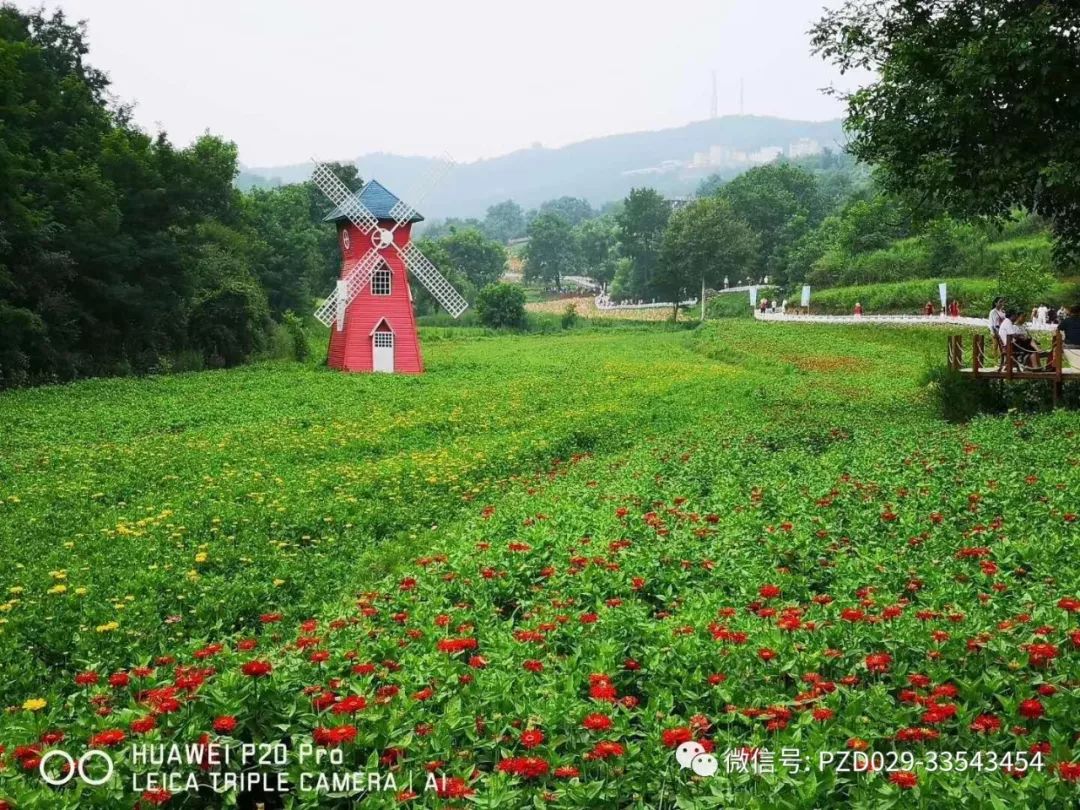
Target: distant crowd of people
column 766, row 305
column 1005, row 322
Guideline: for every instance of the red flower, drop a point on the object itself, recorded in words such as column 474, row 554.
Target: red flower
column 878, row 662
column 1069, row 771
column 765, row 654
column 674, row 737
column 86, row 679
column 606, row 749
column 525, row 767
column 257, row 669
column 350, row 705
column 225, row 724
column 562, row 772
column 985, row 724
column 588, row 618
column 532, row 738
column 109, row 738
column 769, row 591
column 1032, row 709
column 333, row 736
column 157, row 796
column 452, row 787
column 823, row 714
column 602, row 691
column 596, row 722
column 119, row 679
column 144, row 725
column 532, row 665
column 905, row 780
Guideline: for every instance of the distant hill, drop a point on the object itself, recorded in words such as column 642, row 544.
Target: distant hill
column 600, row 169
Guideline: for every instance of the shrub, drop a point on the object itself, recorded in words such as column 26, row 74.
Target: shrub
column 569, row 316
column 1024, row 283
column 294, row 325
column 501, row 306
column 229, row 323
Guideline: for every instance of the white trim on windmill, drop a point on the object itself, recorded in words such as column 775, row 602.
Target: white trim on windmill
column 359, row 275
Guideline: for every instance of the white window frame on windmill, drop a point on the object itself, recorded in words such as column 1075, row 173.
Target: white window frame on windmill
column 381, row 275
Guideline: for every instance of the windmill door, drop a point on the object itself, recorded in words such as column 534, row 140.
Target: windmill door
column 384, row 351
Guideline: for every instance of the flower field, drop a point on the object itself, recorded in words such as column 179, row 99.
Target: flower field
column 527, row 577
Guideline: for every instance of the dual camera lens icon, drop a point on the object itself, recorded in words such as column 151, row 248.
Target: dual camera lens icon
column 693, row 755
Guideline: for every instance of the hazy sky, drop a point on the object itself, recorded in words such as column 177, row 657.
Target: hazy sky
column 287, row 80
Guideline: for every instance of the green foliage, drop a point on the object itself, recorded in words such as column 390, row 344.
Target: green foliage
column 552, row 251
column 569, row 316
column 1024, row 284
column 966, row 109
column 641, row 224
column 504, row 221
column 781, row 203
column 598, row 241
column 509, row 544
column 228, row 322
column 294, row 324
column 501, row 306
column 573, row 210
column 481, row 260
column 705, row 242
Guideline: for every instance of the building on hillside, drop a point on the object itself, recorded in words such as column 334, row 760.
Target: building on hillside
column 804, row 147
column 766, row 154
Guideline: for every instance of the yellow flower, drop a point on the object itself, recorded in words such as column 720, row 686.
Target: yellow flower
column 108, row 627
column 61, row 574
column 35, row 704
column 278, row 583
column 16, row 589
column 81, row 591
column 202, row 557
column 57, row 589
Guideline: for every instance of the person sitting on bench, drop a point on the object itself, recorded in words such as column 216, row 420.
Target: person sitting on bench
column 1026, row 352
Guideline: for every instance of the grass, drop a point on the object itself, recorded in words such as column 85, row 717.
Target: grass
column 504, row 505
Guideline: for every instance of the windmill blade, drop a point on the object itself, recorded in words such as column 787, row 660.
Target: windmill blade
column 340, row 195
column 441, row 289
column 354, row 280
column 402, row 211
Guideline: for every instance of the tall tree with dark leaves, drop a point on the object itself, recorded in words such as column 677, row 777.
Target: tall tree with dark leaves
column 974, row 106
column 641, row 224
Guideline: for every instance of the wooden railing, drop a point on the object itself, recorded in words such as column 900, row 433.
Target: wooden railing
column 1011, row 364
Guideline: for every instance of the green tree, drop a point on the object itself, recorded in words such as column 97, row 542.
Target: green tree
column 481, row 260
column 573, row 210
column 641, row 224
column 501, row 306
column 704, row 242
column 781, row 202
column 598, row 241
column 971, row 108
column 504, row 221
column 552, row 251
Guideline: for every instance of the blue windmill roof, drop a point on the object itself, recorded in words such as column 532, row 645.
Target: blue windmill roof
column 378, row 200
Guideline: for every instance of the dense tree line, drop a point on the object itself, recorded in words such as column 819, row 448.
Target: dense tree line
column 122, row 253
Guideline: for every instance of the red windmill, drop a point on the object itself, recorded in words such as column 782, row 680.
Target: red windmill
column 370, row 310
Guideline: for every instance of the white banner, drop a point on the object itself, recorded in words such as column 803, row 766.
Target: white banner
column 753, row 296
column 805, row 296
column 942, row 293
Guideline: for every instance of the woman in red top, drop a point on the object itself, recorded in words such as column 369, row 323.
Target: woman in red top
column 858, row 310
column 954, row 309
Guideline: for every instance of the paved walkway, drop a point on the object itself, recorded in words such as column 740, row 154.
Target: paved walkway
column 894, row 320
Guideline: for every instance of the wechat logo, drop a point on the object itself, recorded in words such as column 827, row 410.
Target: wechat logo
column 693, row 755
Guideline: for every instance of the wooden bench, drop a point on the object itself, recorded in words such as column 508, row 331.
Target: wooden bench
column 1012, row 366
